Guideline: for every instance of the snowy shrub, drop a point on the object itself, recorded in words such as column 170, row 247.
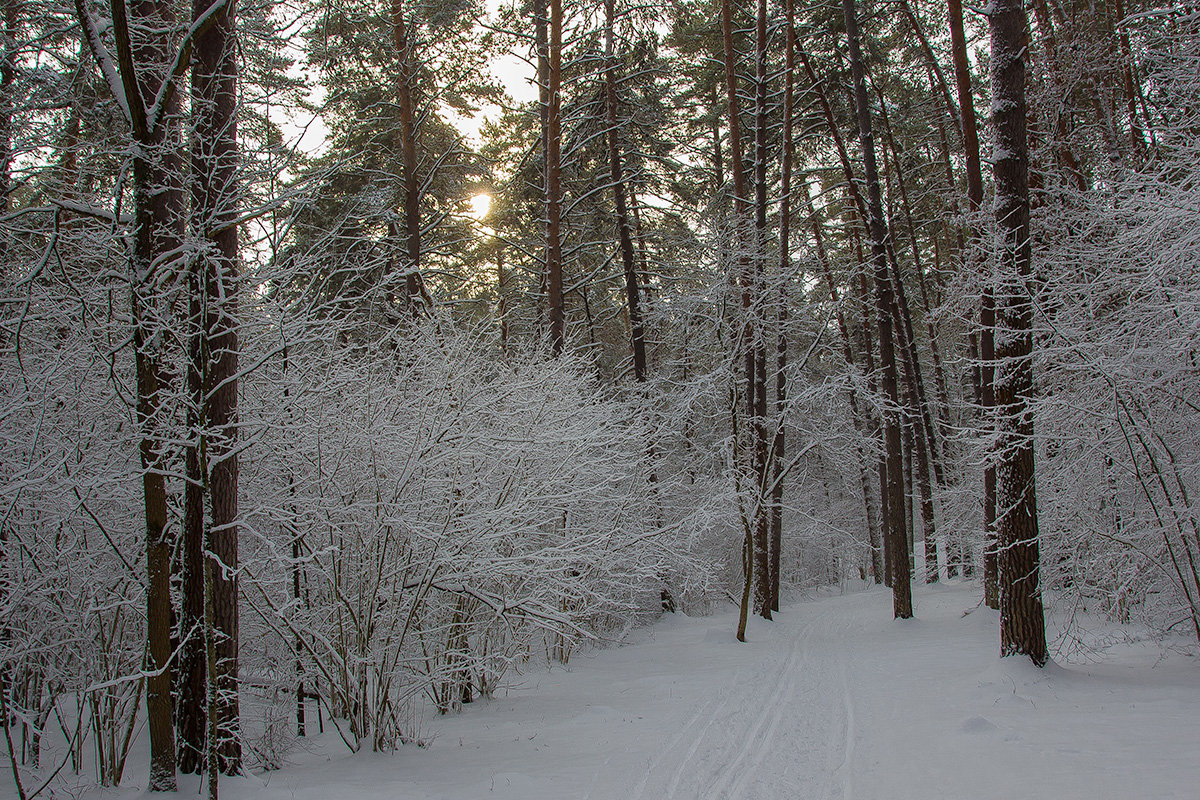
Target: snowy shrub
column 421, row 509
column 1120, row 455
column 71, row 593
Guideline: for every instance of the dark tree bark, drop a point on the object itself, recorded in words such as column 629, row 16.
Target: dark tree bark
column 414, row 287
column 924, row 440
column 541, row 39
column 970, row 131
column 885, row 308
column 640, row 235
column 966, row 105
column 214, row 209
column 554, row 287
column 150, row 102
column 778, row 447
column 553, row 181
column 637, row 339
column 1022, row 624
column 8, row 74
column 741, row 231
column 8, row 77
column 758, row 341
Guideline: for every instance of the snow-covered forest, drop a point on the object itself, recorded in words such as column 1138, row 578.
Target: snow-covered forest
column 362, row 359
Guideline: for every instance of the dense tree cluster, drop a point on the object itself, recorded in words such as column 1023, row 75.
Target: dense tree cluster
column 770, row 294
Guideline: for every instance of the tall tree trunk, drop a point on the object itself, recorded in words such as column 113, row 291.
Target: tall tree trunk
column 859, row 204
column 414, row 288
column 159, row 216
column 151, row 382
column 637, row 339
column 931, row 62
column 8, row 77
column 885, row 308
column 640, row 234
column 758, row 341
column 554, row 183
column 778, row 448
column 145, row 77
column 8, row 74
column 1022, row 624
column 215, row 207
column 924, row 439
column 741, row 234
column 966, row 105
column 966, row 102
column 541, row 27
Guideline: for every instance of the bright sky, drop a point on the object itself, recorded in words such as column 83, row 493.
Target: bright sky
column 514, row 74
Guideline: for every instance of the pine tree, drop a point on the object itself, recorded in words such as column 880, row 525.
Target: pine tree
column 1022, row 625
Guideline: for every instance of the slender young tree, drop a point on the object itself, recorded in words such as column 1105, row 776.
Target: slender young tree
column 1022, row 623
column 741, row 230
column 987, row 312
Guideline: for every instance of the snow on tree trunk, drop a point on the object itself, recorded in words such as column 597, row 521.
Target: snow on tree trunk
column 1022, row 625
column 215, row 208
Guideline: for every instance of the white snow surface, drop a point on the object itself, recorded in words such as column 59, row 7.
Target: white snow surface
column 833, row 699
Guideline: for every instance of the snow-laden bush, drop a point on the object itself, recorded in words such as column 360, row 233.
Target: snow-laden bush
column 421, row 513
column 71, row 591
column 1119, row 468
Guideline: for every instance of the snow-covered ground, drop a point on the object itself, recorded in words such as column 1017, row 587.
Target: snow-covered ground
column 832, row 700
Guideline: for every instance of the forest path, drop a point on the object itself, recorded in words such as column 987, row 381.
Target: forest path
column 779, row 726
column 834, row 699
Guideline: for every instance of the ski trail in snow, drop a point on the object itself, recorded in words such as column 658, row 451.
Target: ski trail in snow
column 764, row 714
column 755, row 748
column 685, row 730
column 844, row 769
column 838, row 738
column 682, row 768
column 783, row 725
column 759, row 716
column 732, row 701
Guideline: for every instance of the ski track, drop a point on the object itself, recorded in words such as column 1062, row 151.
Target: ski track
column 768, row 713
column 789, row 708
column 845, row 769
column 639, row 791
